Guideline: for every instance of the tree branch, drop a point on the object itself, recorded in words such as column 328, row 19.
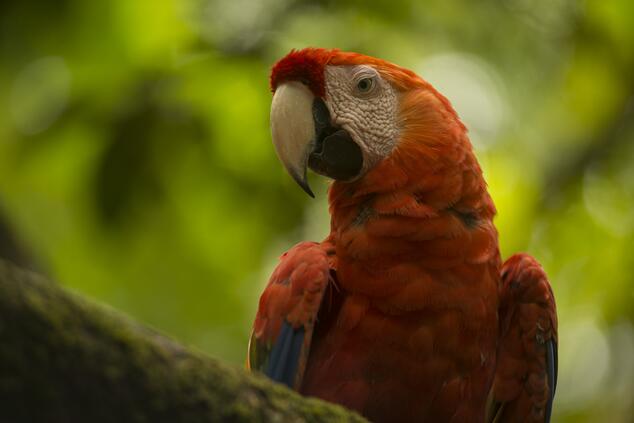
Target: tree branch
column 65, row 359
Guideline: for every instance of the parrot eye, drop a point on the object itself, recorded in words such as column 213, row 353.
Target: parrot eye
column 365, row 85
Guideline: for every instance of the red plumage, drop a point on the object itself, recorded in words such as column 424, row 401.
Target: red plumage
column 419, row 319
column 306, row 66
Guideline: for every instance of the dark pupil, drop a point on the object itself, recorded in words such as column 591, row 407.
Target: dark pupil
column 364, row 84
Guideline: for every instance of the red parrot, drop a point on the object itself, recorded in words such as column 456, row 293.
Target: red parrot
column 405, row 311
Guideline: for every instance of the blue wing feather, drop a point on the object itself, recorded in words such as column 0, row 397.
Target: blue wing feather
column 285, row 354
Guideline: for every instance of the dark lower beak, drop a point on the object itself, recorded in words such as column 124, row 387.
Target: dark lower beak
column 334, row 153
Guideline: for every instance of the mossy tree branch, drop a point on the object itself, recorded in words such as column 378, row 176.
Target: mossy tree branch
column 66, row 359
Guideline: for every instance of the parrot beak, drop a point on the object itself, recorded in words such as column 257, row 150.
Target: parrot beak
column 293, row 129
column 303, row 136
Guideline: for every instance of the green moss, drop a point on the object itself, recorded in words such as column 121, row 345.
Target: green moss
column 66, row 359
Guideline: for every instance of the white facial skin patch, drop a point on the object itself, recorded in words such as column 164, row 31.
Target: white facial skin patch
column 365, row 105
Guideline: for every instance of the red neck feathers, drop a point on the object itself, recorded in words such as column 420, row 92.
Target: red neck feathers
column 433, row 164
column 426, row 203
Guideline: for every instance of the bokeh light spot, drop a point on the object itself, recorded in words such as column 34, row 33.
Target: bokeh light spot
column 609, row 198
column 40, row 94
column 584, row 357
column 474, row 91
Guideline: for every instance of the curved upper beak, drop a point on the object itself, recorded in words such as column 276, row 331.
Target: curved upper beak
column 293, row 128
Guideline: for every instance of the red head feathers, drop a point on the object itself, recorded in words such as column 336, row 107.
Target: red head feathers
column 306, row 66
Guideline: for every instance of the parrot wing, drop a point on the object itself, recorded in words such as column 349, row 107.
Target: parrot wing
column 287, row 314
column 526, row 374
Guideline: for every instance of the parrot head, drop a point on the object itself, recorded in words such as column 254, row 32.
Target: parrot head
column 342, row 114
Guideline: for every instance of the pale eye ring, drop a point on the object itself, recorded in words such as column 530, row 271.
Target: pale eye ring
column 365, row 85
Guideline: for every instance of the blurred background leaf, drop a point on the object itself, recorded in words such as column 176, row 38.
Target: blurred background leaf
column 136, row 165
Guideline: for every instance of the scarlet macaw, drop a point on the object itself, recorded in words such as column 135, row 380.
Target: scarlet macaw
column 405, row 311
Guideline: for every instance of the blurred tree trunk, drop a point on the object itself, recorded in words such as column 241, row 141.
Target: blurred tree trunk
column 65, row 359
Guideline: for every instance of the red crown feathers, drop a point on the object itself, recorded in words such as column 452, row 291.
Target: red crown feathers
column 306, row 66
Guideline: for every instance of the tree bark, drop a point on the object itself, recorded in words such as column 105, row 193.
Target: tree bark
column 66, row 359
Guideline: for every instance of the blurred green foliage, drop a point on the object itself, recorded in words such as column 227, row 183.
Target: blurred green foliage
column 135, row 159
